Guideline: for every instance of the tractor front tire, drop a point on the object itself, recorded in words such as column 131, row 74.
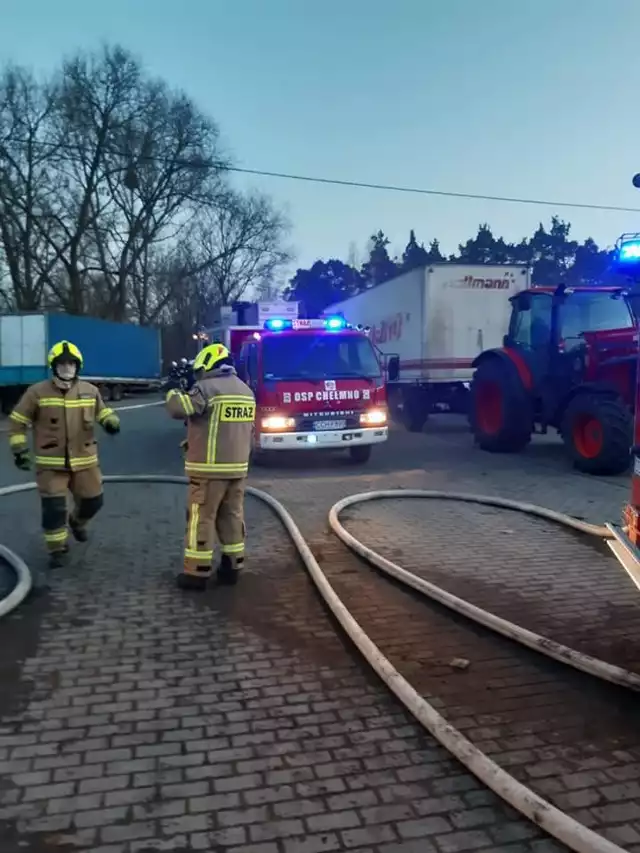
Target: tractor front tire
column 500, row 409
column 597, row 431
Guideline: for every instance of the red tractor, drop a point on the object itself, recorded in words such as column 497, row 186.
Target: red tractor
column 569, row 362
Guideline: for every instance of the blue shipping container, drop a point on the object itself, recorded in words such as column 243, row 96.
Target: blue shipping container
column 110, row 350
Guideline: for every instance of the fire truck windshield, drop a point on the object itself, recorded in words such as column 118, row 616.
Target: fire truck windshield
column 319, row 356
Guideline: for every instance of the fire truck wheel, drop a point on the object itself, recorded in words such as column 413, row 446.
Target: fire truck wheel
column 259, row 458
column 597, row 431
column 361, row 454
column 500, row 409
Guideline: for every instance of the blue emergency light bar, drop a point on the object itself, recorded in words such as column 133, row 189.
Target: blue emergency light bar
column 279, row 324
column 335, row 323
column 276, row 324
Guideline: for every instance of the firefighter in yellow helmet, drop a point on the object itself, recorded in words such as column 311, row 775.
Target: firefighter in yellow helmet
column 220, row 411
column 62, row 411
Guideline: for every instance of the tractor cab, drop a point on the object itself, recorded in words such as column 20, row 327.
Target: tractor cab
column 573, row 335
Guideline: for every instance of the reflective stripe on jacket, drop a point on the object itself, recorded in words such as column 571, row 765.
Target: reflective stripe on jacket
column 221, row 412
column 63, row 425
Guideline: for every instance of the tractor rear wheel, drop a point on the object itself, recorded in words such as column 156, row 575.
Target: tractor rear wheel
column 500, row 409
column 597, row 431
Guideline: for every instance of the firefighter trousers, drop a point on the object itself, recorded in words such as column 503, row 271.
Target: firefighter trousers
column 215, row 510
column 54, row 488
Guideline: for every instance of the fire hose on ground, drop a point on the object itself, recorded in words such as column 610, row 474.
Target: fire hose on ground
column 552, row 820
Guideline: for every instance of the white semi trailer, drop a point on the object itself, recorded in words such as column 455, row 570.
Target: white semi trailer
column 430, row 324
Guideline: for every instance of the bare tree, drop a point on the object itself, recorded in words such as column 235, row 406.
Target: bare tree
column 115, row 201
column 173, row 166
column 238, row 246
column 7, row 302
column 133, row 160
column 233, row 245
column 28, row 186
column 93, row 95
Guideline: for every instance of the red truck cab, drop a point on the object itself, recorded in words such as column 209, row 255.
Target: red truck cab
column 319, row 385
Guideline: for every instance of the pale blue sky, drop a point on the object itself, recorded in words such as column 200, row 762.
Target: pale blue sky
column 530, row 98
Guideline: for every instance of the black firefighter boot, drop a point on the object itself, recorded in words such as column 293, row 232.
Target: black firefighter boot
column 191, row 583
column 85, row 510
column 58, row 558
column 228, row 570
column 79, row 531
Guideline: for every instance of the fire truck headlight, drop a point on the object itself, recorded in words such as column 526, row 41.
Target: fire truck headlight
column 277, row 422
column 374, row 417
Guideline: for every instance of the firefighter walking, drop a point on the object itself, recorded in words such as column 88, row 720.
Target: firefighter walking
column 220, row 411
column 62, row 411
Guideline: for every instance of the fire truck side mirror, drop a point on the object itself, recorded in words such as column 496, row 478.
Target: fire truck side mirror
column 393, row 368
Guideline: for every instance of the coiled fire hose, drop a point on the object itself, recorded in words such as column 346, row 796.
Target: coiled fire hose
column 552, row 820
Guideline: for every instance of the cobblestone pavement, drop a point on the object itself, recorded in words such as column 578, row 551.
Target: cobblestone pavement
column 133, row 718
column 565, row 586
column 530, row 715
column 568, row 737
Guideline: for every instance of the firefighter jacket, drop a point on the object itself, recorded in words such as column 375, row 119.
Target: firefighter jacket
column 63, row 425
column 220, row 411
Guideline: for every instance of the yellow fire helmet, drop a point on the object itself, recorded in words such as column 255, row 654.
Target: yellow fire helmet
column 209, row 356
column 65, row 348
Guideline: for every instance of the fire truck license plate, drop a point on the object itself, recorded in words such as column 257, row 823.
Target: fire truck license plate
column 325, row 425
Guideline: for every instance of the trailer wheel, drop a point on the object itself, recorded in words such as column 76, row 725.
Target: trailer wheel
column 415, row 410
column 597, row 432
column 500, row 409
column 394, row 402
column 117, row 393
column 360, row 454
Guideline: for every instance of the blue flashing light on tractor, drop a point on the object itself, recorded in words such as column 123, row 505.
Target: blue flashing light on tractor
column 630, row 251
column 627, row 255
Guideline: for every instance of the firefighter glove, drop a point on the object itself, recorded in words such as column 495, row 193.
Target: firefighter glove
column 22, row 460
column 112, row 425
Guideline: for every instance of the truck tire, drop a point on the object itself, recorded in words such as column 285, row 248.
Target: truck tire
column 597, row 431
column 415, row 410
column 394, row 402
column 500, row 409
column 361, row 454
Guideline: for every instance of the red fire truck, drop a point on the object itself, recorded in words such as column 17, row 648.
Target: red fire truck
column 319, row 384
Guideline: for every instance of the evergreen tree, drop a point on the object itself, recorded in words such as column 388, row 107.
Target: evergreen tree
column 414, row 255
column 379, row 267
